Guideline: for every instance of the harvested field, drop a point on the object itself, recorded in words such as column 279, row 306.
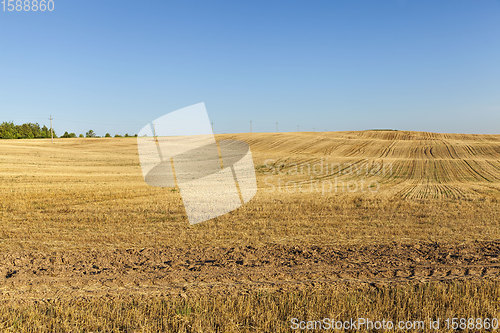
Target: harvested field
column 344, row 224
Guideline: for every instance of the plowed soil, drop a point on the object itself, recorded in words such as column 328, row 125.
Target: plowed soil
column 176, row 271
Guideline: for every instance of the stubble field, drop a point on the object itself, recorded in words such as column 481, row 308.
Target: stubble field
column 377, row 224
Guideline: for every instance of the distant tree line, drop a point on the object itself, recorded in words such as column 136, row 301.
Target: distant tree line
column 9, row 130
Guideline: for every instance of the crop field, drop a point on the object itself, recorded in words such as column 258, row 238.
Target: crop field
column 375, row 224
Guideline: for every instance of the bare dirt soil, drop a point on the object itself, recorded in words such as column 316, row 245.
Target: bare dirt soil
column 244, row 269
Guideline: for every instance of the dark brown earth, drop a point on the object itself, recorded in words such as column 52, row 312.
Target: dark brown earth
column 272, row 267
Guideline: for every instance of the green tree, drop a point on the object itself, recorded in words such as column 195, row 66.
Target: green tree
column 90, row 134
column 8, row 130
column 45, row 132
column 68, row 135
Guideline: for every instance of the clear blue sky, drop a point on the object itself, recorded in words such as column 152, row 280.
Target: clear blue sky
column 329, row 65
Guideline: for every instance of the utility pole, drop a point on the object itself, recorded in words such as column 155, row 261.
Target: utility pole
column 156, row 141
column 277, row 127
column 250, row 126
column 51, row 130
